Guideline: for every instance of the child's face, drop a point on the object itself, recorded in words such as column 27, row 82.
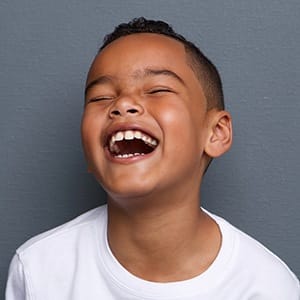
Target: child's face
column 142, row 87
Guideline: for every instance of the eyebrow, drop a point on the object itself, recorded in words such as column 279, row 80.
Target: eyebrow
column 148, row 72
column 153, row 72
column 98, row 81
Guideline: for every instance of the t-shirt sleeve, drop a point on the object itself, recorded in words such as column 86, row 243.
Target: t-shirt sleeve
column 294, row 290
column 16, row 285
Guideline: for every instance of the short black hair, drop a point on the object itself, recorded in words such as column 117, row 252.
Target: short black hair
column 204, row 69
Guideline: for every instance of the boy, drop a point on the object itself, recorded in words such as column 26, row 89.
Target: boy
column 153, row 120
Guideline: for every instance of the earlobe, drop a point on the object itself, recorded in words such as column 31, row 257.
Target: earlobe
column 220, row 135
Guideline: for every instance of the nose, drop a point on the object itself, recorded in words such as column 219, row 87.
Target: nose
column 125, row 106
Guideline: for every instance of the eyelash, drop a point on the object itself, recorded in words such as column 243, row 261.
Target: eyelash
column 99, row 99
column 160, row 90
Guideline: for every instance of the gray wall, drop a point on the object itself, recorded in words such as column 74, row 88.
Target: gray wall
column 46, row 48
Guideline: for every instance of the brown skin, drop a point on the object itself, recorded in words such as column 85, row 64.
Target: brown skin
column 156, row 229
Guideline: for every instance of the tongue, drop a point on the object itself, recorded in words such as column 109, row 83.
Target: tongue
column 133, row 146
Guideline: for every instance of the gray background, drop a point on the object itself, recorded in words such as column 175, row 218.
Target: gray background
column 46, row 48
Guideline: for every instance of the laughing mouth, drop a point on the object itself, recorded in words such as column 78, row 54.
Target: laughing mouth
column 131, row 143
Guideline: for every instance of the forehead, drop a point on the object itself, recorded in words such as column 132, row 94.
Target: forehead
column 133, row 53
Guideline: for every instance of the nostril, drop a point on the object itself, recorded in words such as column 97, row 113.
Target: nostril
column 122, row 111
column 115, row 113
column 132, row 110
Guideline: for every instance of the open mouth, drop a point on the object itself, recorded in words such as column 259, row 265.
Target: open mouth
column 130, row 143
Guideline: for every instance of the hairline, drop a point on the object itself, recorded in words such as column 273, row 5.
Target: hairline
column 191, row 60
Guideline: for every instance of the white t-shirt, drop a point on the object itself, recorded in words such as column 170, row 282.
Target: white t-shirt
column 74, row 262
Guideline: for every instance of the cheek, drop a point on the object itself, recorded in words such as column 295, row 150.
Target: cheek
column 182, row 127
column 177, row 118
column 90, row 132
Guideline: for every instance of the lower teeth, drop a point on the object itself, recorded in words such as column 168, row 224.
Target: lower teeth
column 129, row 155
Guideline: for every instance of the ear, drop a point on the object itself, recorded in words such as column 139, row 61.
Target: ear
column 219, row 138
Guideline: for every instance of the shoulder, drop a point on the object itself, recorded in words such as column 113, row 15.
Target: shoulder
column 53, row 257
column 64, row 236
column 264, row 271
column 269, row 272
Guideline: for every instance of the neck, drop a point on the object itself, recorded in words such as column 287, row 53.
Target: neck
column 163, row 240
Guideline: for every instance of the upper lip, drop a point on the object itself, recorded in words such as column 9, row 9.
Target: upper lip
column 123, row 127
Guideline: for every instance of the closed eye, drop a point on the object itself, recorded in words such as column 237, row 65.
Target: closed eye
column 103, row 98
column 159, row 90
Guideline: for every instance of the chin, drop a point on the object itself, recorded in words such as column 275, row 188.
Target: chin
column 128, row 193
column 130, row 190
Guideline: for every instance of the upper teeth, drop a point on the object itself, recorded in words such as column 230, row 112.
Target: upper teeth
column 130, row 135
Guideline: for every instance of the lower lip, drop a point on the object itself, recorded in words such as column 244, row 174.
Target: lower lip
column 126, row 160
